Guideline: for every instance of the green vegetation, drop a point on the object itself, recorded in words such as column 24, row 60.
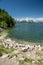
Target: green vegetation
column 28, row 60
column 6, row 21
column 5, row 50
column 39, row 53
column 21, row 62
column 39, row 62
column 42, row 49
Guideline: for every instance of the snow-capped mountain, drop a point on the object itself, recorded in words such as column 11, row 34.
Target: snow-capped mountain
column 29, row 19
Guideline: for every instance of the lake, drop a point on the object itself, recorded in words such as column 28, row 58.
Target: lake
column 29, row 32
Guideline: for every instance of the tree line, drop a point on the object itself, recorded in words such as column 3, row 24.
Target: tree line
column 6, row 21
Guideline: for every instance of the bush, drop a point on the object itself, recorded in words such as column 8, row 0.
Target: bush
column 6, row 20
column 5, row 50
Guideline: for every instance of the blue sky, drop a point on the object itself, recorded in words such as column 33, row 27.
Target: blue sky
column 23, row 8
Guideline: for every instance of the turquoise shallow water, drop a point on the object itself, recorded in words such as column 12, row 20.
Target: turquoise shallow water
column 31, row 32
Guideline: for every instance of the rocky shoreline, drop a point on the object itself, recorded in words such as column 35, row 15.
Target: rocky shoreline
column 23, row 54
column 9, row 43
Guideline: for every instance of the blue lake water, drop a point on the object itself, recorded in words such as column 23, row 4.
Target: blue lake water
column 31, row 32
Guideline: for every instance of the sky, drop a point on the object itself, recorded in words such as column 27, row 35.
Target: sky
column 23, row 8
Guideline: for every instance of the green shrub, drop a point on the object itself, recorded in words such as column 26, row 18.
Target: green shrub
column 28, row 60
column 6, row 50
column 6, row 20
column 21, row 62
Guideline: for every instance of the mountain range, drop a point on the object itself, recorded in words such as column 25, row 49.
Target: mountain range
column 36, row 20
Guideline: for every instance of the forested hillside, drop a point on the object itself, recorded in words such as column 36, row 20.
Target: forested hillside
column 6, row 21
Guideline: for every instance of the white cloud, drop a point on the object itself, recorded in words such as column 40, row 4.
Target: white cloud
column 30, row 19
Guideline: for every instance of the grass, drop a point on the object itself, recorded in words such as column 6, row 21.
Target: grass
column 40, row 59
column 9, row 50
column 28, row 60
column 39, row 62
column 38, row 53
column 42, row 49
column 5, row 50
column 21, row 62
column 4, row 33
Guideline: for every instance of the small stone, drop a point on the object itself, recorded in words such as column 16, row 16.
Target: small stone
column 16, row 51
column 33, row 62
column 21, row 58
column 4, row 56
column 24, row 49
column 10, row 57
column 0, row 54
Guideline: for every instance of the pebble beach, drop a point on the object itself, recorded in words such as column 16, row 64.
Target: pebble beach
column 23, row 54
